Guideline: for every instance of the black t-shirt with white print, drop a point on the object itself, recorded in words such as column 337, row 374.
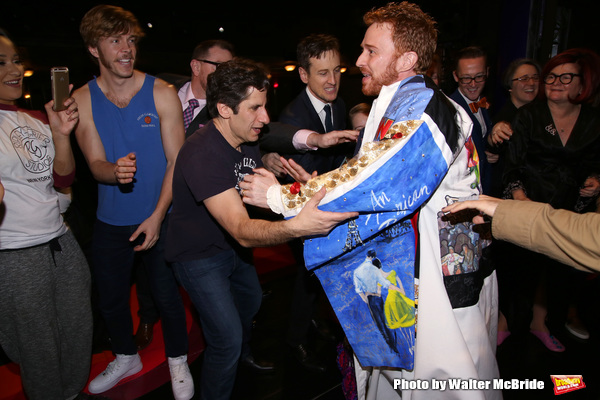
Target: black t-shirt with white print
column 206, row 166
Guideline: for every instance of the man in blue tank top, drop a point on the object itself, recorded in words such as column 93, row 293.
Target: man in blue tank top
column 130, row 132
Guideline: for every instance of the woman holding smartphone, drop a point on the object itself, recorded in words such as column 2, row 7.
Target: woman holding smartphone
column 45, row 313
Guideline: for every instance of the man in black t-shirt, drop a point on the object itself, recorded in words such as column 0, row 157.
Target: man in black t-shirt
column 210, row 230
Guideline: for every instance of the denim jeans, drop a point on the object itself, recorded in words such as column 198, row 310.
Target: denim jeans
column 113, row 261
column 226, row 293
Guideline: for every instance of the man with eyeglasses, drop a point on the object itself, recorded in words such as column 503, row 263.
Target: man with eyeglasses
column 207, row 55
column 276, row 137
column 471, row 72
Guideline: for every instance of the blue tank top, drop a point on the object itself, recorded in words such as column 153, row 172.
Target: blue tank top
column 135, row 128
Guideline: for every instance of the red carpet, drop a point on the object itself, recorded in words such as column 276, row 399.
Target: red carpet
column 270, row 262
column 156, row 370
column 154, row 374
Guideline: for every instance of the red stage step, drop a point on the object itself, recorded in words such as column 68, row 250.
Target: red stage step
column 154, row 374
column 270, row 263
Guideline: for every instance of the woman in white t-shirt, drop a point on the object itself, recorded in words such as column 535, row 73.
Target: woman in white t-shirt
column 45, row 313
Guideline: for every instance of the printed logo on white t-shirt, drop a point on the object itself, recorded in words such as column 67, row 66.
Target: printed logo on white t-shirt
column 32, row 148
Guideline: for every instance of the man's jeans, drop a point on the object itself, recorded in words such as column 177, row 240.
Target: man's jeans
column 226, row 293
column 113, row 261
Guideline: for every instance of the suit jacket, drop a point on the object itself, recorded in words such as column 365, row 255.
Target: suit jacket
column 276, row 137
column 200, row 120
column 569, row 237
column 301, row 113
column 178, row 81
column 478, row 140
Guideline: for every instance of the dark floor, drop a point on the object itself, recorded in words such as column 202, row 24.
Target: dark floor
column 521, row 357
column 290, row 381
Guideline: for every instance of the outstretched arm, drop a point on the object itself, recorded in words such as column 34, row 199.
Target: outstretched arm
column 485, row 204
column 229, row 211
column 330, row 139
column 564, row 235
column 283, row 138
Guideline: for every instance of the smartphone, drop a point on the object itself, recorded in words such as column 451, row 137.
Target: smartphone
column 60, row 86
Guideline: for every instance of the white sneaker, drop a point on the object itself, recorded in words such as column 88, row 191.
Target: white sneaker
column 122, row 367
column 577, row 330
column 181, row 378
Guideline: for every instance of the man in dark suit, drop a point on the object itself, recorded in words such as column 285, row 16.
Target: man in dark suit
column 276, row 137
column 318, row 106
column 471, row 72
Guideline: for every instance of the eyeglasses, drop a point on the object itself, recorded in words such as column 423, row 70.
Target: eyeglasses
column 565, row 78
column 215, row 63
column 465, row 80
column 526, row 78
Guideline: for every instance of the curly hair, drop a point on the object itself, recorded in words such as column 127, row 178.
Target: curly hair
column 104, row 20
column 231, row 82
column 412, row 30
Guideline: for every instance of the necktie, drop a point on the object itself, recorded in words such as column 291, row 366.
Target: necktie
column 476, row 105
column 188, row 113
column 328, row 121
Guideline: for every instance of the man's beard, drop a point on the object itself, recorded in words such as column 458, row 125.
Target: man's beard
column 374, row 86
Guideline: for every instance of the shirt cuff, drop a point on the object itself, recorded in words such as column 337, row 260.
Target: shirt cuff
column 63, row 181
column 300, row 138
column 274, row 199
